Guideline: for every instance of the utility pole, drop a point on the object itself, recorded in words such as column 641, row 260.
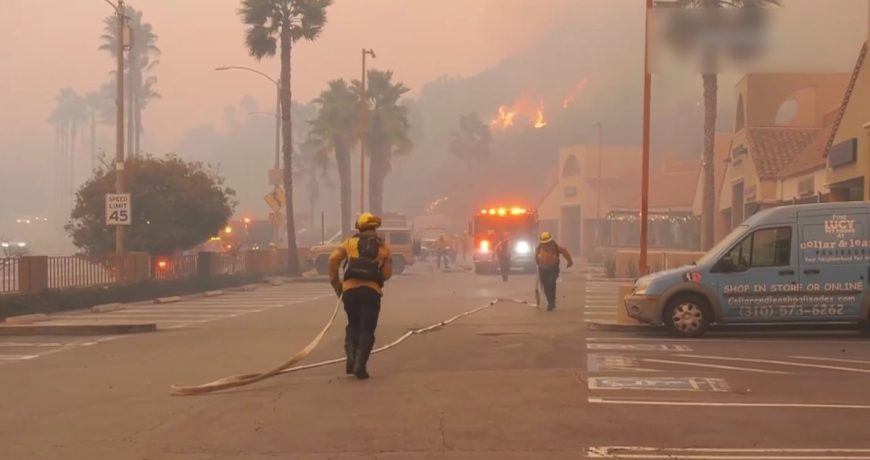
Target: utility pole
column 119, row 128
column 647, row 96
column 362, row 132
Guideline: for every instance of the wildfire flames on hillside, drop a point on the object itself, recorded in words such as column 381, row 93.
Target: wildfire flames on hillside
column 531, row 114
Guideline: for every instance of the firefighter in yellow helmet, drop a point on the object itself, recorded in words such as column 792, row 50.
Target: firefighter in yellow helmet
column 548, row 255
column 368, row 265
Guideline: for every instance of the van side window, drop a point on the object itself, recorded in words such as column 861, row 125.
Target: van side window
column 400, row 238
column 769, row 247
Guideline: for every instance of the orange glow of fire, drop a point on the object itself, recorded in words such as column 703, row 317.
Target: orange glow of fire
column 508, row 116
column 575, row 91
column 504, row 119
column 540, row 120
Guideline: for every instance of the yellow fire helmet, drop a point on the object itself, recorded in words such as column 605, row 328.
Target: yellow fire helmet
column 368, row 221
column 546, row 237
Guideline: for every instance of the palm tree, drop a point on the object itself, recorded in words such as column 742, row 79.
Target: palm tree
column 283, row 22
column 710, row 79
column 141, row 58
column 67, row 117
column 470, row 143
column 336, row 131
column 387, row 131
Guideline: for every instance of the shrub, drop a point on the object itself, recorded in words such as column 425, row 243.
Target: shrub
column 632, row 269
column 610, row 267
column 54, row 300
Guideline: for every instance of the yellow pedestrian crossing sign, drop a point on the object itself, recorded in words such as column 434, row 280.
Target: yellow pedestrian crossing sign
column 275, row 199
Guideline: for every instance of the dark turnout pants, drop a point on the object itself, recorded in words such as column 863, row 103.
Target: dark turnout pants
column 363, row 306
column 548, row 278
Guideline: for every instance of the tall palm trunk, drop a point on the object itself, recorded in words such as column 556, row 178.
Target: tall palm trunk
column 74, row 129
column 380, row 165
column 287, row 135
column 93, row 140
column 708, row 215
column 342, row 161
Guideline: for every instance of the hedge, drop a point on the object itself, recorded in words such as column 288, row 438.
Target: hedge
column 55, row 300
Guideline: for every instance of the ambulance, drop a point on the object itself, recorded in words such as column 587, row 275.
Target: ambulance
column 791, row 264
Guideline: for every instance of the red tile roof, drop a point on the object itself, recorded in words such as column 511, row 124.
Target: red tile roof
column 772, row 149
column 812, row 157
column 846, row 97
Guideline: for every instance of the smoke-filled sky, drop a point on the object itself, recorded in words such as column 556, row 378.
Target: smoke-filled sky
column 52, row 44
column 419, row 39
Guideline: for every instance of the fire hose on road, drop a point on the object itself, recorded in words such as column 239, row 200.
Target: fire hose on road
column 288, row 367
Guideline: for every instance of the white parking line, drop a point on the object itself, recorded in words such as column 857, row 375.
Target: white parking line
column 781, row 363
column 720, row 454
column 837, row 360
column 16, row 357
column 659, row 402
column 714, row 366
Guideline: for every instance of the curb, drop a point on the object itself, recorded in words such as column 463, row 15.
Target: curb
column 309, row 279
column 27, row 319
column 618, row 327
column 171, row 299
column 105, row 308
column 77, row 329
column 215, row 293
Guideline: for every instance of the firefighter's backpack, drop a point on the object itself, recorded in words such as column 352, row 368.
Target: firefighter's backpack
column 365, row 265
column 548, row 255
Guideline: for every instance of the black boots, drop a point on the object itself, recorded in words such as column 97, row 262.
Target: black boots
column 360, row 361
column 350, row 351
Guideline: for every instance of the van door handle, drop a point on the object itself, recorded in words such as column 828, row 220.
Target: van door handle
column 786, row 272
column 812, row 271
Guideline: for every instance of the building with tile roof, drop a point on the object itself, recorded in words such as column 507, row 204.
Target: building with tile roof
column 783, row 123
column 589, row 206
column 847, row 150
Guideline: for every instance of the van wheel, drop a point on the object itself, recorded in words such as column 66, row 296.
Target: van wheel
column 687, row 315
column 322, row 265
column 398, row 265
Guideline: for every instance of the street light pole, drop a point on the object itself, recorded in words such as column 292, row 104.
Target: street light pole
column 277, row 165
column 119, row 128
column 277, row 83
column 647, row 96
column 362, row 132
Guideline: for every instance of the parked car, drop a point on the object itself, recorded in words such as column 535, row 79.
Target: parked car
column 398, row 239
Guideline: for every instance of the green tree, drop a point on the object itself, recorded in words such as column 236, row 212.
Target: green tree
column 176, row 205
column 387, row 131
column 284, row 22
column 684, row 38
column 335, row 131
column 471, row 143
column 141, row 59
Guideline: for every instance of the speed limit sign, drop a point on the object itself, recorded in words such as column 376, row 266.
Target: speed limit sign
column 118, row 211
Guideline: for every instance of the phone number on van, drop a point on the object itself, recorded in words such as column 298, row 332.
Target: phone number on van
column 790, row 311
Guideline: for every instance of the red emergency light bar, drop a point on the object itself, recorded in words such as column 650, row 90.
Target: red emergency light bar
column 515, row 211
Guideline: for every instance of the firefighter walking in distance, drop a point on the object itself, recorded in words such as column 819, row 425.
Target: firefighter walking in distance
column 441, row 250
column 502, row 254
column 367, row 266
column 548, row 255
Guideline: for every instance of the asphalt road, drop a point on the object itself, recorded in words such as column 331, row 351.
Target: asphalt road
column 511, row 382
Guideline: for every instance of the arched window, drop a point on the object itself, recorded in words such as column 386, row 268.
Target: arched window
column 571, row 168
column 741, row 115
column 787, row 112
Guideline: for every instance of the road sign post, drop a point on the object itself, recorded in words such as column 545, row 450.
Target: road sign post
column 118, row 209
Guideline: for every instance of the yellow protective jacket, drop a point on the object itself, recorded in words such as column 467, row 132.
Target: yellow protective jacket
column 547, row 255
column 349, row 248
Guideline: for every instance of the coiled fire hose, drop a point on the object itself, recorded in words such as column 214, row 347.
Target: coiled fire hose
column 287, row 367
